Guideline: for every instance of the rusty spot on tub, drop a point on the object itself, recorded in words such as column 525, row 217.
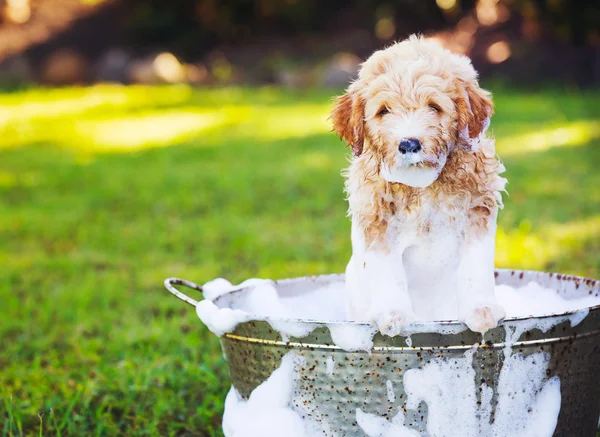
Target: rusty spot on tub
column 496, row 274
column 521, row 275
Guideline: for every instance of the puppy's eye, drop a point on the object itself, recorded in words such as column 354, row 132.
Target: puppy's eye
column 383, row 111
column 435, row 107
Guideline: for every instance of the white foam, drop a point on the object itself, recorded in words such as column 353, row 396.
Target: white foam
column 290, row 315
column 330, row 366
column 328, row 303
column 353, row 337
column 448, row 389
column 261, row 302
column 527, row 403
column 535, row 300
column 391, row 395
column 218, row 287
column 220, row 320
column 268, row 412
column 375, row 426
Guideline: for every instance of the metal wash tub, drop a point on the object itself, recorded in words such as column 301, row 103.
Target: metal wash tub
column 254, row 350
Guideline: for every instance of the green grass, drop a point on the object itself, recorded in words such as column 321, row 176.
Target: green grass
column 106, row 191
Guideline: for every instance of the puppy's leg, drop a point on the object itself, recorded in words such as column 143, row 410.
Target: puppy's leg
column 391, row 306
column 376, row 285
column 358, row 300
column 477, row 305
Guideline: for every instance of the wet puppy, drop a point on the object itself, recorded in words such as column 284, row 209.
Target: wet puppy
column 423, row 189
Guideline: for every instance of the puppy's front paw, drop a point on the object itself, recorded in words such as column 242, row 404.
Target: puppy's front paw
column 393, row 322
column 483, row 317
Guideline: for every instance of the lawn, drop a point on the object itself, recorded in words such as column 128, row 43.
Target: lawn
column 105, row 191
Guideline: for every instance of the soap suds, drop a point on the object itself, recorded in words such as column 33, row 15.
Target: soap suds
column 527, row 403
column 330, row 366
column 261, row 302
column 375, row 426
column 293, row 316
column 268, row 412
column 218, row 287
column 534, row 300
column 353, row 337
column 220, row 320
column 448, row 389
column 389, row 385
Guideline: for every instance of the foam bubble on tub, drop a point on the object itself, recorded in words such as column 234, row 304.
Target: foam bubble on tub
column 262, row 302
column 535, row 300
column 220, row 320
column 288, row 329
column 448, row 389
column 330, row 305
column 219, row 286
column 425, row 326
column 391, row 395
column 515, row 329
column 376, row 426
column 263, row 299
column 215, row 288
column 528, row 404
column 268, row 412
column 353, row 337
column 330, row 363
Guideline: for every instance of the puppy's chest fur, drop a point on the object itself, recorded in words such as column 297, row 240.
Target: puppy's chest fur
column 429, row 238
column 431, row 223
column 426, row 240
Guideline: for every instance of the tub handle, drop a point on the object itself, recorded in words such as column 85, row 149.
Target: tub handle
column 170, row 282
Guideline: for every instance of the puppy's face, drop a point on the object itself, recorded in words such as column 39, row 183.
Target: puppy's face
column 412, row 105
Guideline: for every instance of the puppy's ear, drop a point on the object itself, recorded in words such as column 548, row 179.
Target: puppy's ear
column 474, row 107
column 348, row 119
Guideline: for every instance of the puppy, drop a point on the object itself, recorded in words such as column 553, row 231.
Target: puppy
column 423, row 188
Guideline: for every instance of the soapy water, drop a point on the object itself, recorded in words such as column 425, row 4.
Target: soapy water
column 298, row 315
column 527, row 402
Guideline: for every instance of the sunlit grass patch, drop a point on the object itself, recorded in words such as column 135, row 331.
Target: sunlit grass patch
column 571, row 134
column 539, row 248
column 105, row 118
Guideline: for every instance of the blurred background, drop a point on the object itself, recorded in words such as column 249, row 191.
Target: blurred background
column 143, row 139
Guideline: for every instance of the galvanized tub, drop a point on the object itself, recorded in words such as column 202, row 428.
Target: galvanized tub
column 255, row 350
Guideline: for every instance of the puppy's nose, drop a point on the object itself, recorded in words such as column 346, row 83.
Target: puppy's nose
column 409, row 145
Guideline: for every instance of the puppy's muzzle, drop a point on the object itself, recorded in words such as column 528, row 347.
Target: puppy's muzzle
column 409, row 145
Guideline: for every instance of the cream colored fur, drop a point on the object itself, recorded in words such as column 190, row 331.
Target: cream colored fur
column 423, row 224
